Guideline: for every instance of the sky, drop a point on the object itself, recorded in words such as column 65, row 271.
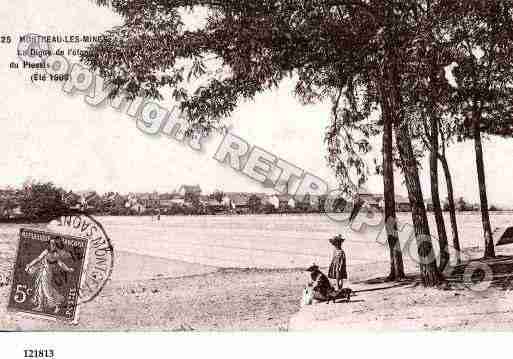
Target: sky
column 52, row 136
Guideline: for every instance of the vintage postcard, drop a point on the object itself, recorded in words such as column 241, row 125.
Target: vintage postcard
column 281, row 166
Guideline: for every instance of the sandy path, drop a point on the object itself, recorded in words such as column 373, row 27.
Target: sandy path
column 408, row 308
column 133, row 267
column 257, row 299
column 252, row 301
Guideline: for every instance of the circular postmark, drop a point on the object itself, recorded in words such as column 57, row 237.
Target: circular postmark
column 32, row 49
column 99, row 261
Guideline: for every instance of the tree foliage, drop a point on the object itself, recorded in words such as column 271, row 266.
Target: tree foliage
column 42, row 201
column 381, row 64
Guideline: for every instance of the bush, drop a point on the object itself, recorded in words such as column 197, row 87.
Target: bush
column 42, row 201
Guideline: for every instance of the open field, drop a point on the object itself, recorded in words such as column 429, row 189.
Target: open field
column 266, row 241
column 258, row 241
column 221, row 272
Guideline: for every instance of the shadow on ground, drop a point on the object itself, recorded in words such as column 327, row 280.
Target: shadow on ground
column 497, row 271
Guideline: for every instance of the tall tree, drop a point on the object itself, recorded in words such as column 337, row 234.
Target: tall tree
column 450, row 195
column 428, row 102
column 396, row 259
column 444, row 129
column 400, row 35
column 483, row 38
column 435, row 193
column 437, row 84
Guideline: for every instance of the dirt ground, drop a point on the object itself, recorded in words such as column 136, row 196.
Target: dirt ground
column 411, row 308
column 149, row 293
column 209, row 299
column 148, row 297
column 472, row 302
column 153, row 293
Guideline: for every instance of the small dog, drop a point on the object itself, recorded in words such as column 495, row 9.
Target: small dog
column 344, row 293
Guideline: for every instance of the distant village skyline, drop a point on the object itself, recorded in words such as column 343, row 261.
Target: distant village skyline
column 371, row 198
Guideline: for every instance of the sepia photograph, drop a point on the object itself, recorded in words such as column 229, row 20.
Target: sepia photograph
column 260, row 166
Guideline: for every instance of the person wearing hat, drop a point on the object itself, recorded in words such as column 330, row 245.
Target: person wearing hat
column 338, row 270
column 321, row 286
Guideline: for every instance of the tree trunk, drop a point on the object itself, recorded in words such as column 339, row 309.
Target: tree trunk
column 485, row 217
column 428, row 269
column 452, row 208
column 435, row 195
column 396, row 257
column 427, row 260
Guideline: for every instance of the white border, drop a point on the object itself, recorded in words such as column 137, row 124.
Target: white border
column 416, row 345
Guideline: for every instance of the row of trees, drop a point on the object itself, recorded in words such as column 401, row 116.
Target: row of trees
column 382, row 64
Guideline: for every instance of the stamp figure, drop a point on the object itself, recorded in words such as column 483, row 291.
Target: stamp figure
column 47, row 274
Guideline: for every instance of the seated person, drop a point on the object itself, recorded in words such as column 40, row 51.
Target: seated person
column 322, row 288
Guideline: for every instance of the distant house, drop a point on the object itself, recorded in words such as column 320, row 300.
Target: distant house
column 149, row 200
column 281, row 201
column 189, row 194
column 138, row 207
column 178, row 200
column 372, row 200
column 185, row 190
column 169, row 200
column 134, row 204
column 402, row 204
column 203, row 199
column 315, row 201
column 239, row 201
column 273, row 200
column 430, row 208
column 291, row 202
column 214, row 206
column 89, row 200
column 226, row 201
column 256, row 202
column 307, row 202
column 377, row 201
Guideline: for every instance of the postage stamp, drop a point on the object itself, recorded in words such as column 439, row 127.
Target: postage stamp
column 48, row 274
column 60, row 267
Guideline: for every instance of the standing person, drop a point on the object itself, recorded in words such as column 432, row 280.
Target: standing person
column 44, row 269
column 338, row 270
